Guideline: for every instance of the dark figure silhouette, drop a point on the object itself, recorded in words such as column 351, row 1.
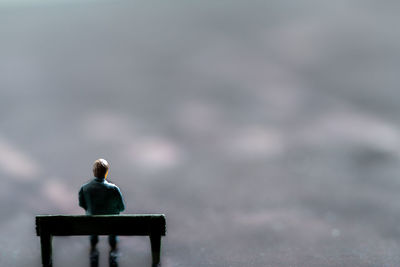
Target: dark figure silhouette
column 99, row 197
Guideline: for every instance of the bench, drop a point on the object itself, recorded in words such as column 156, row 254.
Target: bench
column 152, row 225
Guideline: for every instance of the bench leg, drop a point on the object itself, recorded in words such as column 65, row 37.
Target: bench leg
column 155, row 241
column 45, row 242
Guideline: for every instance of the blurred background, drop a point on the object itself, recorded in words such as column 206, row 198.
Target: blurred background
column 266, row 131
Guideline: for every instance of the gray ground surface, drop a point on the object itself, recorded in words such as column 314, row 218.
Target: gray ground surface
column 266, row 131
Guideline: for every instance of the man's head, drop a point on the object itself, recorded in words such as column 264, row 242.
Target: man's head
column 100, row 168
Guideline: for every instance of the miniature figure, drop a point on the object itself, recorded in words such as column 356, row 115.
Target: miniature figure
column 99, row 197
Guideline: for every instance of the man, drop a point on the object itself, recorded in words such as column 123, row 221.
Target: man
column 99, row 197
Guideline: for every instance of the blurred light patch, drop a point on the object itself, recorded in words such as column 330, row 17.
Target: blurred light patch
column 255, row 141
column 155, row 154
column 17, row 163
column 352, row 127
column 61, row 196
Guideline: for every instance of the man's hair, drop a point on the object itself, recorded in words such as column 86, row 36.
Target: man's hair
column 100, row 168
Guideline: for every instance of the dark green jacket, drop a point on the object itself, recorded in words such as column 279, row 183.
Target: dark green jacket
column 99, row 197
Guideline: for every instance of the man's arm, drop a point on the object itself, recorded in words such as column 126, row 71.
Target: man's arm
column 120, row 203
column 82, row 202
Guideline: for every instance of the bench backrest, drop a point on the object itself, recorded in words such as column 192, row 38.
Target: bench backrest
column 127, row 224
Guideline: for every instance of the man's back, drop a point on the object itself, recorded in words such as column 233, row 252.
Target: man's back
column 99, row 197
